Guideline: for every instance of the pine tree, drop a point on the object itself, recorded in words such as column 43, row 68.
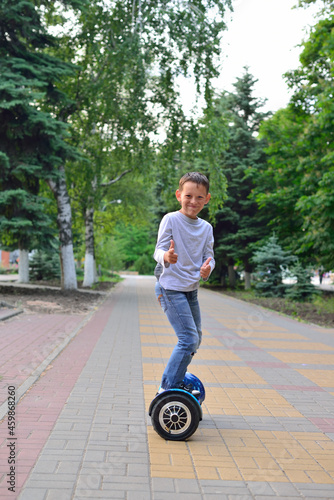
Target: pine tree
column 32, row 141
column 302, row 290
column 240, row 223
column 271, row 261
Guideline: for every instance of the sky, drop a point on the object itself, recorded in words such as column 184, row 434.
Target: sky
column 263, row 35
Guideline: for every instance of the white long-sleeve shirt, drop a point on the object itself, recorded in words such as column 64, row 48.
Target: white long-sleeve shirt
column 193, row 239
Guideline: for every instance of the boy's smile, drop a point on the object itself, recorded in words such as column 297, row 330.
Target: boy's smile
column 192, row 198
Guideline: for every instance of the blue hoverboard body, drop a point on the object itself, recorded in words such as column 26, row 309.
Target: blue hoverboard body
column 176, row 413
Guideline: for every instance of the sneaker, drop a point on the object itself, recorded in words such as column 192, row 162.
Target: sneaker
column 189, row 388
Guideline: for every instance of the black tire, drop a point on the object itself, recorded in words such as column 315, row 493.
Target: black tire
column 175, row 417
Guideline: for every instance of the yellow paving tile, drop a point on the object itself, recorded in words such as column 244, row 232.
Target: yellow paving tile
column 157, row 318
column 207, row 473
column 266, row 463
column 149, row 393
column 304, row 346
column 250, row 324
column 156, row 352
column 297, row 476
column 304, row 358
column 275, row 475
column 227, row 375
column 300, row 464
column 245, row 463
column 326, row 463
column 207, row 340
column 271, row 335
column 246, row 402
column 229, row 474
column 237, row 454
column 208, row 461
column 172, row 339
column 169, row 458
column 216, row 355
column 323, row 378
column 173, row 472
column 158, row 339
column 156, row 329
column 153, row 371
column 320, row 477
column 202, row 354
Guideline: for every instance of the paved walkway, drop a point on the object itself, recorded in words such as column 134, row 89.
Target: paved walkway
column 86, row 383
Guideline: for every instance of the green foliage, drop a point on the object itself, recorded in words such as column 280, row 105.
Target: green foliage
column 302, row 290
column 324, row 303
column 130, row 56
column 296, row 190
column 133, row 242
column 23, row 221
column 108, row 254
column 32, row 140
column 145, row 265
column 239, row 222
column 44, row 265
column 270, row 262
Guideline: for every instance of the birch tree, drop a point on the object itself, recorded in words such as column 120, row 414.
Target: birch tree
column 131, row 54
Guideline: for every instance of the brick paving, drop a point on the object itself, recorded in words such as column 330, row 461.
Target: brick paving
column 83, row 430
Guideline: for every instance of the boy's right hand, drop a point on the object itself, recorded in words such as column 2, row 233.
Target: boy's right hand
column 170, row 256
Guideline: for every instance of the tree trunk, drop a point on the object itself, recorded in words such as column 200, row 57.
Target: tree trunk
column 231, row 276
column 64, row 220
column 90, row 276
column 248, row 270
column 248, row 285
column 24, row 266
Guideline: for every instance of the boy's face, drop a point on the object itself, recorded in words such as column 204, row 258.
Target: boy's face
column 193, row 197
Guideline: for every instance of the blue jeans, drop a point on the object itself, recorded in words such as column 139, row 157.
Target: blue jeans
column 183, row 313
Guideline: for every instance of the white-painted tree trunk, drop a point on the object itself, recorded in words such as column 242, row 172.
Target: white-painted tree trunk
column 24, row 266
column 64, row 220
column 90, row 276
column 69, row 276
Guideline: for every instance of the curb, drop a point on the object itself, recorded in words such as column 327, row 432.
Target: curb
column 9, row 314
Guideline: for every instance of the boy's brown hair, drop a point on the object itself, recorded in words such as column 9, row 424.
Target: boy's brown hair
column 196, row 177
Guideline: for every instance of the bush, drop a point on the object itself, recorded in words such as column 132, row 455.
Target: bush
column 270, row 261
column 145, row 265
column 44, row 265
column 302, row 290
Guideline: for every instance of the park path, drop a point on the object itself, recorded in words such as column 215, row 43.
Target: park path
column 82, row 425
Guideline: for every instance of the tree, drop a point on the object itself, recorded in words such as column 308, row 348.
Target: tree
column 271, row 261
column 23, row 223
column 301, row 152
column 279, row 183
column 131, row 54
column 314, row 84
column 239, row 222
column 33, row 143
column 302, row 290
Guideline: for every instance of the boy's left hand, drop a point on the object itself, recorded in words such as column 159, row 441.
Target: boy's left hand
column 206, row 268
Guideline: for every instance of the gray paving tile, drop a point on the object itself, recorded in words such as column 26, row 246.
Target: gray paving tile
column 98, row 448
column 33, row 494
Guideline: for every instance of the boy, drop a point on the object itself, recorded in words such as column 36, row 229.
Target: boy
column 184, row 252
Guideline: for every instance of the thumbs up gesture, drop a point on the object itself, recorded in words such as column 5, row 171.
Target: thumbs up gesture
column 206, row 268
column 170, row 256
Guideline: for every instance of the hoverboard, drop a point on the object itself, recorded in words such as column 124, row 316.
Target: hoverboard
column 176, row 413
